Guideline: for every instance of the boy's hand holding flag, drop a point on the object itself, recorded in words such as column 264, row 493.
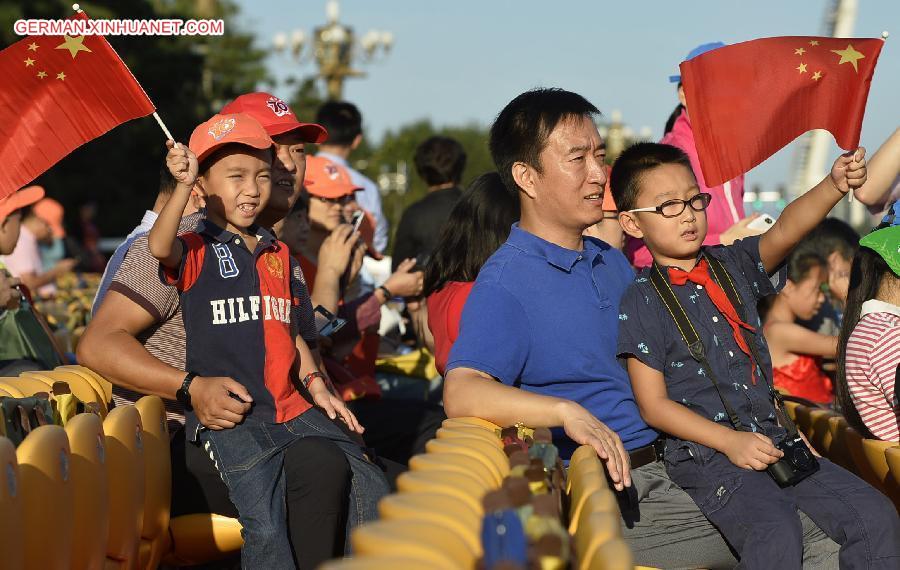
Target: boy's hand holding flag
column 748, row 100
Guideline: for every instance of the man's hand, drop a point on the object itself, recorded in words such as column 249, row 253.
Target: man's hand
column 212, row 400
column 739, row 231
column 584, row 429
column 64, row 266
column 749, row 450
column 182, row 163
column 9, row 295
column 333, row 406
column 336, row 250
column 405, row 282
column 849, row 170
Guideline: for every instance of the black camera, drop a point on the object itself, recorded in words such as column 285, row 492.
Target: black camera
column 797, row 464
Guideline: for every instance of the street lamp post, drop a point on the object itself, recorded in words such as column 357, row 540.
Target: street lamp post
column 334, row 49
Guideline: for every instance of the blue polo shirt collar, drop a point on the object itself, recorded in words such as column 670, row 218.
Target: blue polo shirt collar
column 221, row 235
column 557, row 256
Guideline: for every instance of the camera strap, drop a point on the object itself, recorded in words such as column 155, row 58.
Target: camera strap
column 696, row 347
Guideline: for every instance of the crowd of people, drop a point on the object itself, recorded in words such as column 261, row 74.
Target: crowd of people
column 629, row 307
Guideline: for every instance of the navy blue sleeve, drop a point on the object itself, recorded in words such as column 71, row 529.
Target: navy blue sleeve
column 641, row 330
column 494, row 334
column 743, row 256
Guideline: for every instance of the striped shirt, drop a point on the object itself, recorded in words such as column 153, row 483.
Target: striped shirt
column 873, row 354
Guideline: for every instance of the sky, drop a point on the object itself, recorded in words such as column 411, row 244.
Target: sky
column 461, row 61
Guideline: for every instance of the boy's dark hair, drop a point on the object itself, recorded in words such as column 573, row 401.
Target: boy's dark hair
column 167, row 182
column 800, row 263
column 520, row 131
column 831, row 235
column 440, row 160
column 342, row 120
column 631, row 165
column 476, row 227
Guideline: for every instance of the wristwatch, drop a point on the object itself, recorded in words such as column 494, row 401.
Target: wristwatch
column 182, row 394
column 307, row 380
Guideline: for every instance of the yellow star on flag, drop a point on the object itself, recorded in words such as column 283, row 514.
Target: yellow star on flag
column 813, row 42
column 42, row 74
column 817, row 76
column 29, row 62
column 849, row 55
column 74, row 45
column 61, row 75
column 799, row 51
column 802, row 68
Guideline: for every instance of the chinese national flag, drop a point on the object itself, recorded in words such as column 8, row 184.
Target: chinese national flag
column 58, row 93
column 747, row 101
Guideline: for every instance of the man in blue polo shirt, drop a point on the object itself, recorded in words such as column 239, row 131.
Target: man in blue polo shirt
column 537, row 341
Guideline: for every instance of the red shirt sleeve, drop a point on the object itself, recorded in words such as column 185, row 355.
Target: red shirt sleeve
column 186, row 274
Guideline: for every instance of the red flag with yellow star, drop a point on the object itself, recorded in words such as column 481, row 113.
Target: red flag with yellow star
column 746, row 101
column 58, row 93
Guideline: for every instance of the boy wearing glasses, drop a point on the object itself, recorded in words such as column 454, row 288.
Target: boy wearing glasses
column 721, row 437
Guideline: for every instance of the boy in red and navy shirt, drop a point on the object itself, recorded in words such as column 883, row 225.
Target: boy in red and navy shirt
column 240, row 304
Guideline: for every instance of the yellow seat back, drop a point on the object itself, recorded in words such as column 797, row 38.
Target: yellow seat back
column 838, row 452
column 104, row 386
column 440, row 545
column 157, row 478
column 472, row 432
column 584, row 481
column 434, row 507
column 12, row 544
column 11, row 389
column 47, row 501
column 598, row 501
column 491, row 455
column 201, row 538
column 821, row 434
column 612, row 555
column 463, row 487
column 386, row 562
column 125, row 474
column 89, row 479
column 892, row 456
column 470, row 421
column 455, row 462
column 82, row 389
column 27, row 386
column 598, row 529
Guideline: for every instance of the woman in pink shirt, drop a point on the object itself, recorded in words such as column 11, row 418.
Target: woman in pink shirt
column 869, row 349
column 725, row 214
column 477, row 226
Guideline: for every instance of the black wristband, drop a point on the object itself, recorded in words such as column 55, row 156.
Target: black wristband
column 387, row 293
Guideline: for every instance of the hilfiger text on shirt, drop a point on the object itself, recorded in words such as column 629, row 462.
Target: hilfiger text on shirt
column 240, row 309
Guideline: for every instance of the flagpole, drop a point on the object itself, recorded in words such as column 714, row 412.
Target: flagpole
column 165, row 129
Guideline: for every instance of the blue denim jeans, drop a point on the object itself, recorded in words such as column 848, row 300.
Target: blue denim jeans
column 250, row 459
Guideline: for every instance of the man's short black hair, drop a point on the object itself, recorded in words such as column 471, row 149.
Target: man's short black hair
column 440, row 160
column 829, row 236
column 629, row 168
column 342, row 120
column 520, row 132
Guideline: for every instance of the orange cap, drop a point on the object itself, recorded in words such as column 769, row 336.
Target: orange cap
column 329, row 180
column 20, row 199
column 51, row 212
column 275, row 116
column 226, row 129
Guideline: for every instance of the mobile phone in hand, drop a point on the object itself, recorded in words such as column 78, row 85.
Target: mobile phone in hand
column 357, row 219
column 327, row 323
column 762, row 223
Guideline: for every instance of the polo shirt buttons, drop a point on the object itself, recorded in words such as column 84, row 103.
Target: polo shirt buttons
column 699, row 286
column 237, row 241
column 579, row 258
column 731, row 354
column 715, row 319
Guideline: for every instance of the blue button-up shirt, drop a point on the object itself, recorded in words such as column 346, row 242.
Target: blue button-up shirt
column 648, row 332
column 544, row 318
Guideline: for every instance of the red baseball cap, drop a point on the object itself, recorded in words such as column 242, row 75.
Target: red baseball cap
column 20, row 199
column 275, row 116
column 220, row 130
column 326, row 179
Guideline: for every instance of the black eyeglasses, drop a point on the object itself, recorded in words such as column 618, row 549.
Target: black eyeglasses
column 672, row 208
